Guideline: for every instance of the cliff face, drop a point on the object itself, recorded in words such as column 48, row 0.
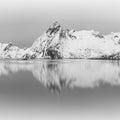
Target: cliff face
column 59, row 43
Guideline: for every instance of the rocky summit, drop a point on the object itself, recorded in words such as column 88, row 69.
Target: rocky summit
column 59, row 43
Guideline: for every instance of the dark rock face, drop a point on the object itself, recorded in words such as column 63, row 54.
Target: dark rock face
column 115, row 56
column 28, row 57
column 33, row 56
column 62, row 34
column 111, row 57
column 99, row 35
column 7, row 47
column 54, row 54
column 51, row 47
column 118, row 38
column 53, row 29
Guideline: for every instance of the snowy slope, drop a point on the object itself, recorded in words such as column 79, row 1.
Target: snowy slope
column 57, row 43
column 8, row 51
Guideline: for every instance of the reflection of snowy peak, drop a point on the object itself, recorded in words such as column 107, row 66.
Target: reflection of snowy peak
column 59, row 43
column 57, row 75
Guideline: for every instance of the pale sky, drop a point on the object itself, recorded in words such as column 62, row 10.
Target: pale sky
column 22, row 21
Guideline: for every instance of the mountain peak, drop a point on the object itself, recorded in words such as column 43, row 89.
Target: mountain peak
column 55, row 24
column 53, row 29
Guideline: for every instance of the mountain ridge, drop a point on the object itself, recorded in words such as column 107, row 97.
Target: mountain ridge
column 59, row 43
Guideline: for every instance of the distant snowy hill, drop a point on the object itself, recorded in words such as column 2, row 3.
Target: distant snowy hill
column 59, row 43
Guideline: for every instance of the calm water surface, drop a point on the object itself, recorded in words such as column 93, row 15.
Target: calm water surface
column 60, row 90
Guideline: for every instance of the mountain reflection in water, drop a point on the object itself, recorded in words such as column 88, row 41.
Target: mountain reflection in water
column 57, row 75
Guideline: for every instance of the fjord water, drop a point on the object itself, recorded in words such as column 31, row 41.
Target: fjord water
column 60, row 89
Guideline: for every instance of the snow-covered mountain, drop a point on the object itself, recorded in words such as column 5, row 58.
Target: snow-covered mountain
column 9, row 51
column 59, row 43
